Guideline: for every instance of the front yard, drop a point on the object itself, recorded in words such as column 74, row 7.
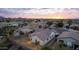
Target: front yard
column 28, row 44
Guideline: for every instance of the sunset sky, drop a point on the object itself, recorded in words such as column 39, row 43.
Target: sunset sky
column 49, row 13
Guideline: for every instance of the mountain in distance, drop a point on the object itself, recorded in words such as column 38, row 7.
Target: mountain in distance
column 20, row 18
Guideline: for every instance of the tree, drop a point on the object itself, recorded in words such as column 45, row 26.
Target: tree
column 49, row 23
column 69, row 22
column 61, row 43
column 21, row 33
column 8, row 20
column 40, row 26
column 7, row 32
column 59, row 24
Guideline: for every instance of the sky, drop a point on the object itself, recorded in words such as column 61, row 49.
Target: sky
column 48, row 13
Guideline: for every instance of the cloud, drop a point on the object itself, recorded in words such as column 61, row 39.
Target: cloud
column 40, row 12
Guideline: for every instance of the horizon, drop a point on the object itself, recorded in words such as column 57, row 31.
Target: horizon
column 40, row 13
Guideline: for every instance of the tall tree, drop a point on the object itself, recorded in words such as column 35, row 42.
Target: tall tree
column 69, row 22
column 59, row 24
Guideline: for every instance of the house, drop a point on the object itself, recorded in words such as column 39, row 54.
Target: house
column 75, row 27
column 52, row 26
column 60, row 30
column 24, row 29
column 15, row 25
column 71, row 39
column 38, row 24
column 43, row 36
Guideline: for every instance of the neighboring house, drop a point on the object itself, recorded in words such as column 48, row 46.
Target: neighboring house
column 72, row 30
column 71, row 39
column 39, row 23
column 43, row 36
column 60, row 30
column 24, row 29
column 74, row 25
column 13, row 25
column 42, row 23
column 52, row 26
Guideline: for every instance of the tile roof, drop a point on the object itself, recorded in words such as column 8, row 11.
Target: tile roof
column 43, row 34
column 74, row 35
